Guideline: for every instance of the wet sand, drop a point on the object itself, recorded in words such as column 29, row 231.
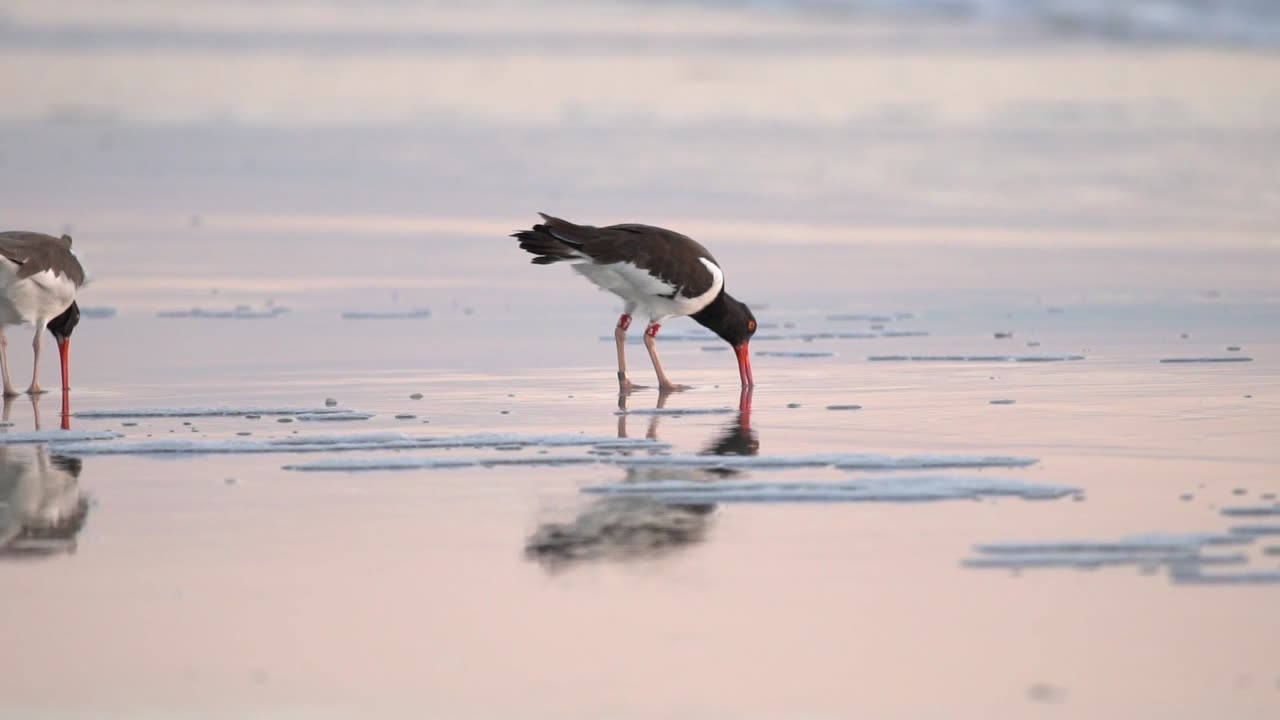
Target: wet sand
column 219, row 565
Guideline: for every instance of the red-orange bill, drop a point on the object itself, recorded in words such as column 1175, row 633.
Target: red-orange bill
column 744, row 365
column 64, row 349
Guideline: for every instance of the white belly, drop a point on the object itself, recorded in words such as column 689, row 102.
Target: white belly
column 647, row 294
column 36, row 299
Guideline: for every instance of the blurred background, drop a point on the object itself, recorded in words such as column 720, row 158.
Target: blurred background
column 333, row 154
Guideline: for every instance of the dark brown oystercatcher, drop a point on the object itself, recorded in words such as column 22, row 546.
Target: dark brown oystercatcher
column 656, row 272
column 39, row 276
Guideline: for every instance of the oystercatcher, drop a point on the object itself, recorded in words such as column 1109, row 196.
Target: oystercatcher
column 656, row 272
column 39, row 276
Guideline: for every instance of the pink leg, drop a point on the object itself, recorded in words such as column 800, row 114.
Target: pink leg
column 4, row 366
column 651, row 344
column 620, row 335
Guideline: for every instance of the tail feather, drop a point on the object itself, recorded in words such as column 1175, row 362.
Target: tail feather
column 553, row 241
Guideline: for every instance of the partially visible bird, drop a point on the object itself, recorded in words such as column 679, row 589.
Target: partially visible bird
column 39, row 277
column 656, row 272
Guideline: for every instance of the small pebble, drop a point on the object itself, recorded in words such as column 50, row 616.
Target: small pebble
column 242, row 433
column 1233, row 348
column 184, row 422
column 251, row 416
column 1002, row 402
column 406, row 416
column 284, row 420
column 1003, row 335
column 1185, row 336
column 1046, row 693
column 229, row 481
column 1077, row 498
column 793, row 406
column 1033, row 343
column 1239, row 491
column 877, row 326
column 511, row 394
column 330, row 402
column 504, row 412
column 129, row 424
column 1186, row 497
column 1268, row 496
column 844, row 407
column 416, row 396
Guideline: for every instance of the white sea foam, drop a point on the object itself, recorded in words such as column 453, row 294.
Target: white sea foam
column 975, row 358
column 56, row 436
column 416, row 314
column 1193, row 576
column 925, row 488
column 425, row 463
column 856, row 317
column 1147, row 544
column 676, row 411
column 1254, row 511
column 339, row 443
column 843, row 461
column 1087, row 560
column 333, row 416
column 793, row 354
column 1182, row 554
column 201, row 412
column 240, row 312
column 602, row 452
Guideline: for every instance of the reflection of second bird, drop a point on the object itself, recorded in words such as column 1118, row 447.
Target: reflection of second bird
column 42, row 509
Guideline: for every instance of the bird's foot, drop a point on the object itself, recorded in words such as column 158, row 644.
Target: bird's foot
column 626, row 386
column 673, row 387
column 9, row 392
column 36, row 390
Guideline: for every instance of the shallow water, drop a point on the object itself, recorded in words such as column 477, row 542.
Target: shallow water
column 986, row 469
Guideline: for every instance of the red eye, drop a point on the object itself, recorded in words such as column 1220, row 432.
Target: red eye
column 751, row 326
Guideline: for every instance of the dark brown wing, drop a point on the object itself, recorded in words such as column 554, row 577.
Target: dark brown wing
column 36, row 252
column 668, row 255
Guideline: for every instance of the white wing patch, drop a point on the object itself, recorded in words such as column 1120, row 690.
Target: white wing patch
column 651, row 295
column 35, row 299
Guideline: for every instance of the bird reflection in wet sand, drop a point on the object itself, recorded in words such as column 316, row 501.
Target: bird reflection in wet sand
column 620, row 528
column 64, row 415
column 42, row 508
